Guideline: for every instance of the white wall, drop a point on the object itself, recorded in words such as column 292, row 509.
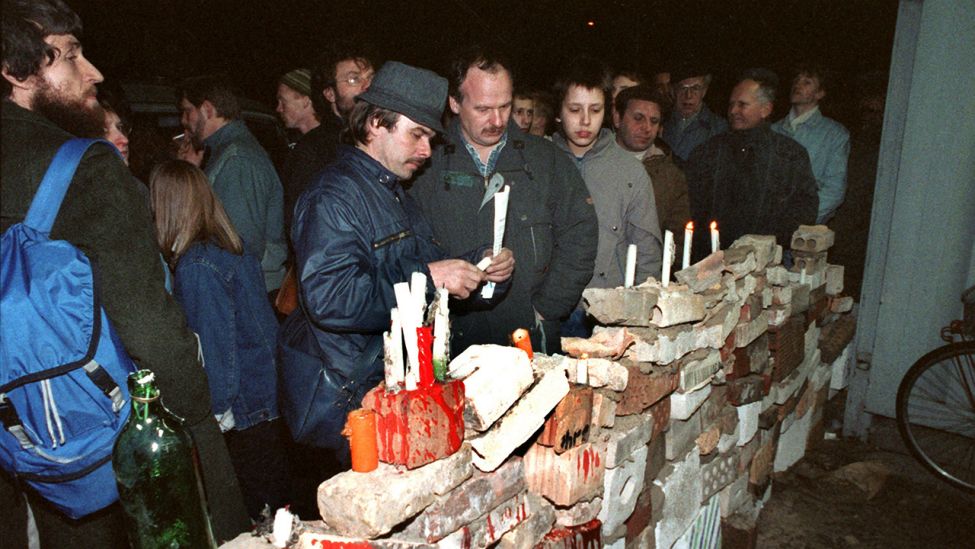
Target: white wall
column 921, row 254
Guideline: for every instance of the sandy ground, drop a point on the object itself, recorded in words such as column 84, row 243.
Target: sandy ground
column 812, row 507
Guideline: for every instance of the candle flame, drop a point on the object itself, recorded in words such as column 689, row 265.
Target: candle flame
column 689, row 226
column 714, row 225
column 584, row 356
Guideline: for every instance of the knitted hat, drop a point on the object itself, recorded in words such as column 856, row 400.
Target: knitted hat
column 299, row 80
column 416, row 93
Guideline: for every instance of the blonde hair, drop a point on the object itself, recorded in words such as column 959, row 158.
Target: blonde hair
column 186, row 211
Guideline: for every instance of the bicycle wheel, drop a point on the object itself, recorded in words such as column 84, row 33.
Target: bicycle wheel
column 936, row 413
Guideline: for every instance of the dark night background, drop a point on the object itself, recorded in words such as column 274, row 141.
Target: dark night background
column 255, row 41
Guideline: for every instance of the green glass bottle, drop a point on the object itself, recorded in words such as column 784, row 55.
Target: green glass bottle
column 158, row 479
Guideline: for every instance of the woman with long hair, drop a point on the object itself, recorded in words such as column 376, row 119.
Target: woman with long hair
column 223, row 295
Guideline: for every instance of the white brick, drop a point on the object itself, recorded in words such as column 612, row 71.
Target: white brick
column 580, row 513
column 697, row 373
column 533, row 529
column 748, row 421
column 606, row 373
column 521, row 421
column 489, row 528
column 495, row 377
column 734, row 496
column 683, row 405
column 626, row 438
column 677, row 304
column 840, row 370
column 621, row 488
column 681, row 484
column 792, row 443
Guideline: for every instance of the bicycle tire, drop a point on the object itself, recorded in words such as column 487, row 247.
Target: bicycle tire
column 938, row 392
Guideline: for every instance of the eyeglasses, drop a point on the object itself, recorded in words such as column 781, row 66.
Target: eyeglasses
column 357, row 79
column 691, row 89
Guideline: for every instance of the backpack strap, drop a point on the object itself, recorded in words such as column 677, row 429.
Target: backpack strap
column 47, row 201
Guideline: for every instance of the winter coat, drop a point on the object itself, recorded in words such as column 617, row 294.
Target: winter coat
column 622, row 194
column 669, row 193
column 705, row 125
column 551, row 230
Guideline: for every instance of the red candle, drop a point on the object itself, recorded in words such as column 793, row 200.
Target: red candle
column 523, row 341
column 424, row 344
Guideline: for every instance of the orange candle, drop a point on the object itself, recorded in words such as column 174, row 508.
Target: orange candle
column 523, row 341
column 360, row 427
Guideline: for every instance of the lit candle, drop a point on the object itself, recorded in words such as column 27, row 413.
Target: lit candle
column 688, row 236
column 715, row 240
column 630, row 266
column 582, row 369
column 523, row 341
column 668, row 258
column 441, row 333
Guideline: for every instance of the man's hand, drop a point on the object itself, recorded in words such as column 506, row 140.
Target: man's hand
column 458, row 276
column 501, row 267
column 189, row 153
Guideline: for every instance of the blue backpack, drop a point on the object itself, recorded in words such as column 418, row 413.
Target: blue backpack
column 63, row 369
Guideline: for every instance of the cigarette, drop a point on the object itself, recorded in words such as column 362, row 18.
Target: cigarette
column 179, row 137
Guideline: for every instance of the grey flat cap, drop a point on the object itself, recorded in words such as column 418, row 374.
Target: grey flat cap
column 416, row 93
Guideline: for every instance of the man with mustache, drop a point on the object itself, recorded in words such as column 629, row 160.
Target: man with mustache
column 751, row 180
column 48, row 90
column 356, row 234
column 551, row 222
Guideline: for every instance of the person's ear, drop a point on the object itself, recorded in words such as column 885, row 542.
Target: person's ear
column 329, row 94
column 25, row 85
column 454, row 105
column 767, row 110
column 616, row 119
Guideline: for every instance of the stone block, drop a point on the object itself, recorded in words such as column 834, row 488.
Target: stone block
column 607, row 343
column 310, row 539
column 621, row 488
column 414, row 428
column 681, row 486
column 800, row 298
column 580, row 513
column 792, row 443
column 781, row 295
column 740, row 261
column 834, row 280
column 777, row 276
column 681, row 436
column 808, row 265
column 745, row 390
column 640, row 518
column 569, row 424
column 676, row 304
column 533, row 529
column 836, row 336
column 748, row 332
column 656, row 458
column 715, row 405
column 734, row 496
column 752, row 358
column 603, row 412
column 763, row 246
column 462, row 505
column 840, row 370
column 748, row 421
column 488, row 529
column 682, row 405
column 494, row 377
column 567, row 478
column 840, row 305
column 626, row 438
column 812, row 238
column 707, row 441
column 370, row 504
column 760, row 468
column 704, row 274
column 645, row 389
column 606, row 373
column 698, row 371
column 621, row 306
column 583, row 536
column 520, row 422
column 661, row 417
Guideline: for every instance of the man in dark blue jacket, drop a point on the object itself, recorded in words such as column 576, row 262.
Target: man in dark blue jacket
column 355, row 234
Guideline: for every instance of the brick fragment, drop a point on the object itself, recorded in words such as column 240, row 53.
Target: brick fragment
column 676, row 304
column 569, row 424
column 745, row 390
column 762, row 245
column 645, row 389
column 582, row 536
column 533, row 529
column 564, row 479
column 812, row 238
column 619, row 306
column 834, row 279
column 704, row 274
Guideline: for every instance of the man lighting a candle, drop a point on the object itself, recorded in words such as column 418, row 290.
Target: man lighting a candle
column 356, row 234
column 750, row 180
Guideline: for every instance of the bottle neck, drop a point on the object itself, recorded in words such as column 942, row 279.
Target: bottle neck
column 144, row 393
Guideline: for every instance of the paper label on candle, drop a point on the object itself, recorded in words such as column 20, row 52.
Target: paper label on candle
column 500, row 217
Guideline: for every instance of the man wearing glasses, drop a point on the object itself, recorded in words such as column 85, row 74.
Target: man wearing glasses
column 691, row 122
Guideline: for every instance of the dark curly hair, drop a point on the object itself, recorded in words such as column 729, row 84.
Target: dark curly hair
column 26, row 23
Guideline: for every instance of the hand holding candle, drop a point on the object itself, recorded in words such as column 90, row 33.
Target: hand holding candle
column 688, row 237
column 500, row 218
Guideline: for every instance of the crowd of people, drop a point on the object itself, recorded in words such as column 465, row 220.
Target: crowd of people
column 257, row 295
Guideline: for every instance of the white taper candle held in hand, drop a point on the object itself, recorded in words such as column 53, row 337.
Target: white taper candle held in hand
column 630, row 266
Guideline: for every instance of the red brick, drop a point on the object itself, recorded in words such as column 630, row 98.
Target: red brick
column 835, row 336
column 414, row 428
column 660, row 412
column 582, row 536
column 640, row 518
column 787, row 346
column 745, row 390
column 642, row 390
column 569, row 424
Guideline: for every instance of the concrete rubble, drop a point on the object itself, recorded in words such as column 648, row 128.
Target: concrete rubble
column 665, row 429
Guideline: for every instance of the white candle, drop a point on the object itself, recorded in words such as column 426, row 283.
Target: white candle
column 500, row 218
column 715, row 240
column 668, row 258
column 630, row 266
column 582, row 369
column 688, row 237
column 409, row 317
column 440, row 320
column 418, row 290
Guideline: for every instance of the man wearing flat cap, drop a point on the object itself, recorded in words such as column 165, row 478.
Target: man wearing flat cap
column 691, row 122
column 356, row 233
